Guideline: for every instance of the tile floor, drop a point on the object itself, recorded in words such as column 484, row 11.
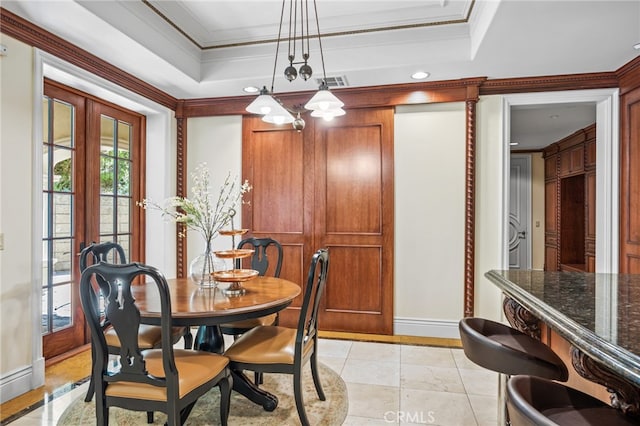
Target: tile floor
column 387, row 384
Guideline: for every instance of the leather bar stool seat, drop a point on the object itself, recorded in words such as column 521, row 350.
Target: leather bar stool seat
column 504, row 349
column 532, row 401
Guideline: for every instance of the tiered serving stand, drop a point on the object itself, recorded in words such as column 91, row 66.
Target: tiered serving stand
column 234, row 276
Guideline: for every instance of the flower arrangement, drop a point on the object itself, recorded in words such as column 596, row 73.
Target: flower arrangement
column 203, row 213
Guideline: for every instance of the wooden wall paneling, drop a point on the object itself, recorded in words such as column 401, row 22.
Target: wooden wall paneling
column 278, row 162
column 354, row 219
column 630, row 182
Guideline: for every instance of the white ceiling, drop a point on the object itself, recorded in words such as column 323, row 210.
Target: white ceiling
column 195, row 49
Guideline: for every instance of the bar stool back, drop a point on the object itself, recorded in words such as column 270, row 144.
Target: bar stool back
column 504, row 349
column 532, row 401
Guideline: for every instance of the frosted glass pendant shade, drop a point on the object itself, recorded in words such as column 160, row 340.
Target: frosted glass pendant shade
column 278, row 115
column 323, row 100
column 263, row 104
column 328, row 114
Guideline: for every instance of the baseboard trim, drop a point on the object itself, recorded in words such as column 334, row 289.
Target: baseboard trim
column 15, row 383
column 447, row 329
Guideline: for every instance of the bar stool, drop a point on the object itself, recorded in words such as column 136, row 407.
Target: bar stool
column 532, row 401
column 504, row 349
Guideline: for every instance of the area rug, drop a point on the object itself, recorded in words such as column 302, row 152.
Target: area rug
column 331, row 412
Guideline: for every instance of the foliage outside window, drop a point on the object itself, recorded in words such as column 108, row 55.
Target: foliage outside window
column 62, row 171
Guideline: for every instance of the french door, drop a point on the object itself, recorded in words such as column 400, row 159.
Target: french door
column 92, row 169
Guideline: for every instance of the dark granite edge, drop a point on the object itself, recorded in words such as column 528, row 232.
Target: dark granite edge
column 612, row 356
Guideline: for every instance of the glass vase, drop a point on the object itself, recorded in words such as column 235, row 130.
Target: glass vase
column 201, row 268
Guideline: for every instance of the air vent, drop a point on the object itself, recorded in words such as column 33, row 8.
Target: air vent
column 340, row 81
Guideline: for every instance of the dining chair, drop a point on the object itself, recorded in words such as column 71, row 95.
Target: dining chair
column 164, row 379
column 261, row 262
column 276, row 349
column 111, row 252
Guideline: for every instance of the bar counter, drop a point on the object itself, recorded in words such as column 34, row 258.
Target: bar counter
column 598, row 314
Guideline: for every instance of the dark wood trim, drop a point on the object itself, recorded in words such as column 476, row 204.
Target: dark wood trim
column 470, row 210
column 26, row 32
column 629, row 75
column 502, row 86
column 181, row 191
column 355, row 97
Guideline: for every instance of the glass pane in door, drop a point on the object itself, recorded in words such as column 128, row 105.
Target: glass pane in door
column 58, row 199
column 115, row 182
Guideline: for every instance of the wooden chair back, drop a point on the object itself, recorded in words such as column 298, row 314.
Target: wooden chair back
column 260, row 260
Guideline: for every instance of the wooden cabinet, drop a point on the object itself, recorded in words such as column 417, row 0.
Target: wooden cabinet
column 570, row 207
column 572, row 161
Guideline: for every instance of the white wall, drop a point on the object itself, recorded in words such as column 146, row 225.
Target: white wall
column 429, row 144
column 491, row 198
column 216, row 141
column 16, row 155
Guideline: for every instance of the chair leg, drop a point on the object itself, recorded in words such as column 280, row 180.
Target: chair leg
column 150, row 417
column 258, row 379
column 316, row 377
column 226, row 384
column 92, row 388
column 188, row 339
column 92, row 385
column 297, row 391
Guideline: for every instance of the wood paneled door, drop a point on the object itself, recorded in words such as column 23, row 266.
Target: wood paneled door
column 330, row 185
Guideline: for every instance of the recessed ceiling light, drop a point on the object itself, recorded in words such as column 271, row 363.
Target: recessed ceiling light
column 513, row 143
column 420, row 75
column 251, row 89
column 636, row 46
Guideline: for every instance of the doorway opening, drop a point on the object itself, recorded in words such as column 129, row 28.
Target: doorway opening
column 604, row 103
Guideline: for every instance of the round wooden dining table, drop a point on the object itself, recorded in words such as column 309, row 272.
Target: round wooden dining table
column 208, row 307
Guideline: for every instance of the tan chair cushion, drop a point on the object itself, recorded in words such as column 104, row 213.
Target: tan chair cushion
column 251, row 323
column 194, row 369
column 265, row 345
column 149, row 336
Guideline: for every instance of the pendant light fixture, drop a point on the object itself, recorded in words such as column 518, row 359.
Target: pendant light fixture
column 323, row 104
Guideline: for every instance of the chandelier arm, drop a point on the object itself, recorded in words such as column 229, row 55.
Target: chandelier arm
column 275, row 61
column 324, row 74
column 293, row 14
column 304, row 17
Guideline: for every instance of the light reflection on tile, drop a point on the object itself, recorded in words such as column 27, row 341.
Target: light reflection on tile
column 387, row 384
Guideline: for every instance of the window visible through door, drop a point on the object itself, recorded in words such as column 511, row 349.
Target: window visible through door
column 92, row 176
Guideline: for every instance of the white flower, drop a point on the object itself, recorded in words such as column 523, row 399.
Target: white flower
column 203, row 213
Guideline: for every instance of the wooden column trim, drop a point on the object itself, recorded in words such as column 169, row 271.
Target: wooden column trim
column 470, row 199
column 181, row 189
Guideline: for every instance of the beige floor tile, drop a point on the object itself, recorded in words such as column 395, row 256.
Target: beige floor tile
column 430, row 378
column 436, row 408
column 360, row 421
column 336, row 364
column 373, row 401
column 485, row 409
column 463, row 362
column 371, row 372
column 334, row 348
column 375, row 351
column 480, row 382
column 425, row 355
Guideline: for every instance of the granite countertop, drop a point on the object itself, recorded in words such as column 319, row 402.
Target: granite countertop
column 598, row 313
